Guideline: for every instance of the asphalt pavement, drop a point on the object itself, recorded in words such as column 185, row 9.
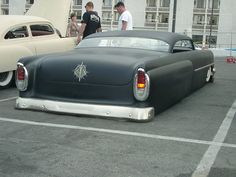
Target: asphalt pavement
column 194, row 138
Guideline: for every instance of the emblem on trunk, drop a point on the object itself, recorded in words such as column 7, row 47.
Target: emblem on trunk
column 80, row 71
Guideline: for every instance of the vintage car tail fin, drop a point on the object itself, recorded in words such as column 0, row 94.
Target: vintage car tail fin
column 141, row 85
column 21, row 77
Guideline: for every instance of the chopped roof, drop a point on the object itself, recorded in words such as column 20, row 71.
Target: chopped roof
column 168, row 37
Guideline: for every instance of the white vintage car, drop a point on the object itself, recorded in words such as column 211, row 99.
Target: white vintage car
column 22, row 36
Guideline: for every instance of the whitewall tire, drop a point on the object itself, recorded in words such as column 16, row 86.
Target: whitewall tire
column 6, row 79
column 210, row 75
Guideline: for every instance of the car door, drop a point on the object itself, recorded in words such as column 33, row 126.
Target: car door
column 46, row 40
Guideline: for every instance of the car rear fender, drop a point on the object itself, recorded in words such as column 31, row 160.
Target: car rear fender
column 10, row 56
column 170, row 83
column 44, row 45
column 202, row 61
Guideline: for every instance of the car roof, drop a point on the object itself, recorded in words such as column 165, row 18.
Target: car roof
column 170, row 38
column 12, row 20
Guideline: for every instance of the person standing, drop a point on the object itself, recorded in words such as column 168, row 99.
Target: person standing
column 125, row 21
column 91, row 22
column 73, row 27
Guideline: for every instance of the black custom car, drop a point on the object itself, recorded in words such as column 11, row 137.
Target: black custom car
column 131, row 74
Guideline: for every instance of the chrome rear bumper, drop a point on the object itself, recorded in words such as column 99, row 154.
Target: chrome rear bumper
column 133, row 113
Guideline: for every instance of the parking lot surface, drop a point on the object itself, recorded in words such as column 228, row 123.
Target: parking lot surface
column 194, row 138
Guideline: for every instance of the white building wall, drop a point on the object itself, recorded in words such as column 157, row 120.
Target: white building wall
column 171, row 15
column 17, row 7
column 184, row 17
column 227, row 25
column 137, row 10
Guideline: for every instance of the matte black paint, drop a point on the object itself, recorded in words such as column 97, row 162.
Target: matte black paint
column 111, row 73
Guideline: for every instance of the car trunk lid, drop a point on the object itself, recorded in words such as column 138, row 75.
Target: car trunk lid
column 89, row 67
column 98, row 76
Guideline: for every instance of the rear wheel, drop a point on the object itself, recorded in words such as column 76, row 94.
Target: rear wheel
column 210, row 75
column 6, row 79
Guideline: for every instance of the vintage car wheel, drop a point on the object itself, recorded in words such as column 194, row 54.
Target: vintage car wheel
column 210, row 75
column 6, row 79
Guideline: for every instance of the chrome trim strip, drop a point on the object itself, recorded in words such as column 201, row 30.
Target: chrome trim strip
column 132, row 113
column 206, row 66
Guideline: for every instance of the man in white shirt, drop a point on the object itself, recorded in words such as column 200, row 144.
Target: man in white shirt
column 125, row 20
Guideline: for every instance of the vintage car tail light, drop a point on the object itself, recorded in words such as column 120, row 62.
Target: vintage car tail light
column 141, row 80
column 141, row 85
column 21, row 77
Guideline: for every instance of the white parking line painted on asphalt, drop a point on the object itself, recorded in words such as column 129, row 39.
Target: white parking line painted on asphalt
column 8, row 99
column 204, row 167
column 120, row 132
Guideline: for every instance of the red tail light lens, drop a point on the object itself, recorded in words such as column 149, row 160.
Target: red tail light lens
column 141, row 85
column 21, row 77
column 141, row 80
column 20, row 73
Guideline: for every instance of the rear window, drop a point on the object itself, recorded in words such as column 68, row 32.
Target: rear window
column 41, row 30
column 126, row 42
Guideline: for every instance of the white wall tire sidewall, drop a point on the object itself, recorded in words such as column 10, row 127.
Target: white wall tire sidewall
column 8, row 79
column 209, row 74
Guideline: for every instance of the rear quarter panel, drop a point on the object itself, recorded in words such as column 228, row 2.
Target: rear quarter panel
column 170, row 83
column 10, row 54
column 13, row 49
column 202, row 60
column 52, row 43
column 175, row 76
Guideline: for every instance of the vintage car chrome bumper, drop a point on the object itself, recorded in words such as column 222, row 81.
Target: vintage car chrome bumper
column 133, row 113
